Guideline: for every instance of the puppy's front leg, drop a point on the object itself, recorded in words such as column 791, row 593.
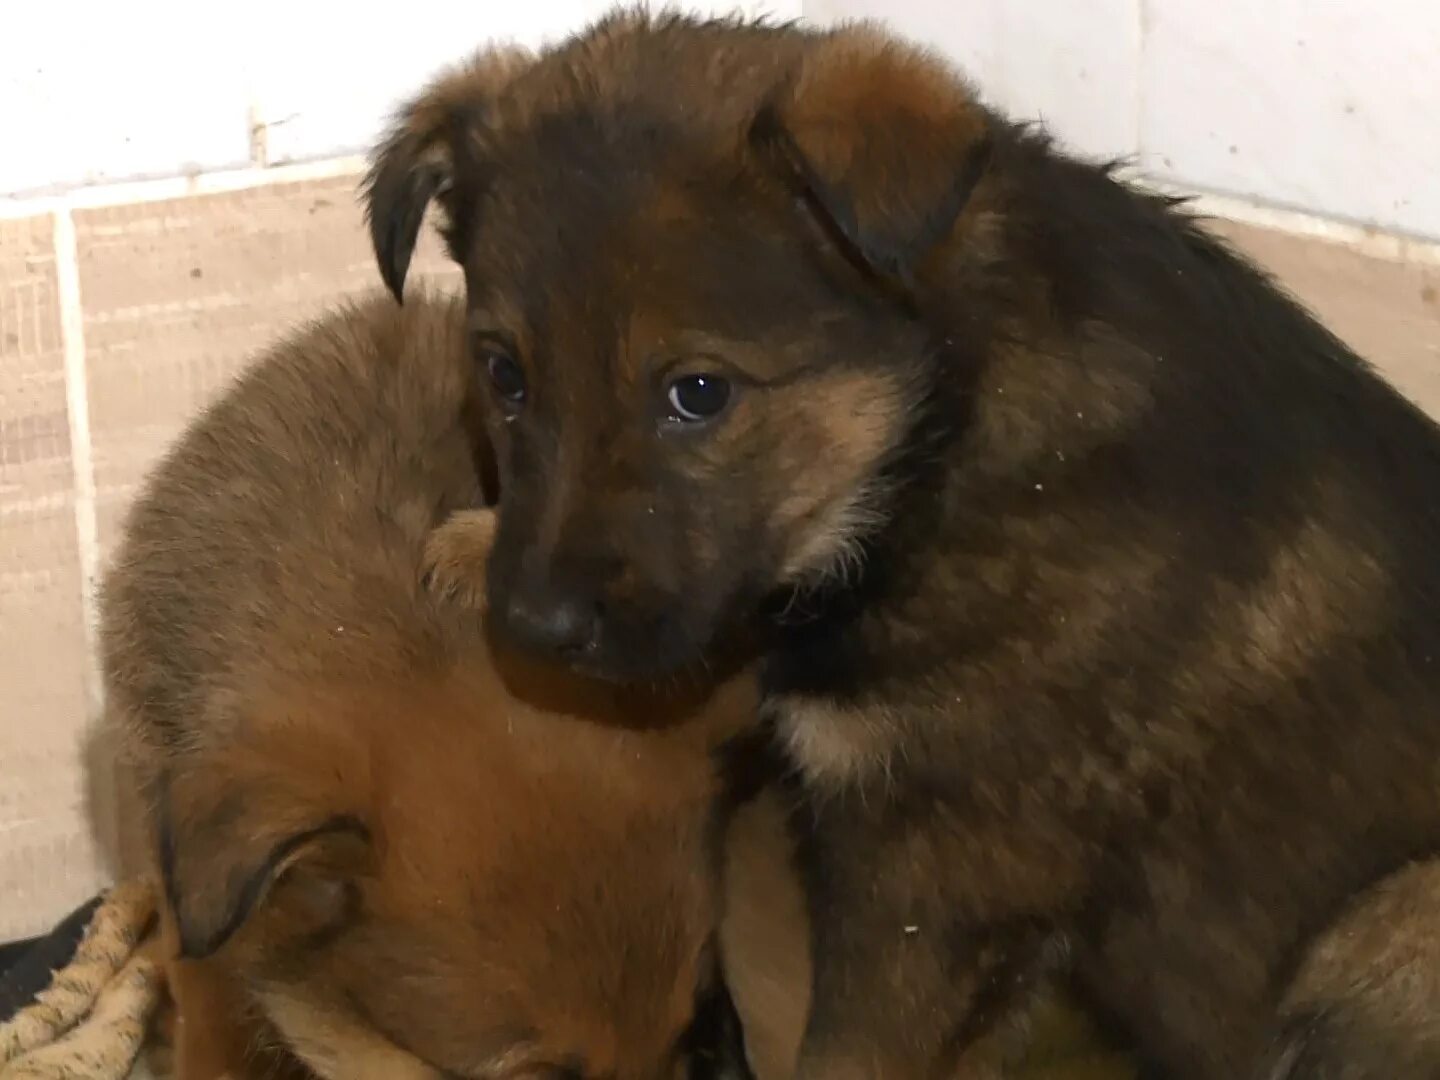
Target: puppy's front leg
column 1365, row 999
column 905, row 988
column 217, row 1033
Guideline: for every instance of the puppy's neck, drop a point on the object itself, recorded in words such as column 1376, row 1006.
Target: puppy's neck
column 821, row 638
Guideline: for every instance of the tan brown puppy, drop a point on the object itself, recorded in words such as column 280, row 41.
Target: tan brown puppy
column 388, row 850
column 1100, row 581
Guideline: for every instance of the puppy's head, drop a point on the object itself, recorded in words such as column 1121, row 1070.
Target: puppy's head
column 437, row 881
column 689, row 252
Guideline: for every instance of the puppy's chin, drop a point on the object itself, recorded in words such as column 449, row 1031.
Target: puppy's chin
column 646, row 653
column 638, row 654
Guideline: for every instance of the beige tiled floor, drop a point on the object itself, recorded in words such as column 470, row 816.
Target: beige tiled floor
column 1387, row 311
column 178, row 294
column 175, row 296
column 45, row 856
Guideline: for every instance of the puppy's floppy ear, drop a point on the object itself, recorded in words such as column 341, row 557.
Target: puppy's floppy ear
column 227, row 837
column 885, row 142
column 432, row 151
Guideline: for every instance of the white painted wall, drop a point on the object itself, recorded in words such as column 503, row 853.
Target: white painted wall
column 1326, row 106
column 1329, row 106
column 94, row 90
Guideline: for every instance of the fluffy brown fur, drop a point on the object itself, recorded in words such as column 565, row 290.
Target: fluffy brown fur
column 389, row 850
column 1098, row 579
column 1365, row 999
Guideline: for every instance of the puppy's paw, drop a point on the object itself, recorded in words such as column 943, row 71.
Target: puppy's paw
column 1313, row 1047
column 1346, row 1046
column 455, row 557
column 1365, row 1000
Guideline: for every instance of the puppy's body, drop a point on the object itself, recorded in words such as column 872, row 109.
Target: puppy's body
column 290, row 511
column 385, row 847
column 1100, row 577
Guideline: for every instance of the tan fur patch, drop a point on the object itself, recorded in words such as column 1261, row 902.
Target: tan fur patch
column 848, row 423
column 337, row 1047
column 455, row 555
column 839, row 747
column 858, row 82
column 765, row 937
column 1319, row 589
column 862, row 70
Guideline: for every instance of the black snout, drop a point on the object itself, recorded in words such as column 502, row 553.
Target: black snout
column 548, row 618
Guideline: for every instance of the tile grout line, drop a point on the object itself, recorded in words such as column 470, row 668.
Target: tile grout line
column 82, row 454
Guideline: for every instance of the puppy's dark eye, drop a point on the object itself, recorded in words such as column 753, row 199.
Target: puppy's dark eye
column 505, row 375
column 693, row 399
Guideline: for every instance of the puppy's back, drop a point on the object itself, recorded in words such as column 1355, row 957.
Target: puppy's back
column 292, row 510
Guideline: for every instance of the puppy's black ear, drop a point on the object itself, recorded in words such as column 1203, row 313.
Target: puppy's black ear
column 433, row 151
column 225, row 843
column 885, row 142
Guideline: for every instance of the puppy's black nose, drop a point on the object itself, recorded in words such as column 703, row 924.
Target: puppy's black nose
column 548, row 619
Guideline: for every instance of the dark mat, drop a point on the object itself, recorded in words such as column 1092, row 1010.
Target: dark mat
column 26, row 967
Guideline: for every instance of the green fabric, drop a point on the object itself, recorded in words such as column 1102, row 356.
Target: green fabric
column 1062, row 1044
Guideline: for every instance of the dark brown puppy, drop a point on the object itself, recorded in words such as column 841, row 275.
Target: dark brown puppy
column 1101, row 579
column 386, row 849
